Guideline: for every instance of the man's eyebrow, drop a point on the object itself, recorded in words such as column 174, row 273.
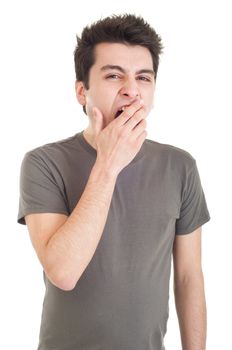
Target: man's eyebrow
column 116, row 67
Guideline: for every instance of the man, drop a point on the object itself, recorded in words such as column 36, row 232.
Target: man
column 107, row 208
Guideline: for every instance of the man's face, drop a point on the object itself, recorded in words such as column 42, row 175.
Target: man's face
column 119, row 75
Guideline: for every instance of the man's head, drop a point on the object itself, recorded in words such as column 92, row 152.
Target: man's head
column 125, row 41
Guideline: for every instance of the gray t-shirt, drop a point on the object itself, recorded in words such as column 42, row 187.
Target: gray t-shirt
column 121, row 299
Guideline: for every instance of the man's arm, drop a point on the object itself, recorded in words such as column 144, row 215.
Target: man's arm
column 65, row 245
column 189, row 290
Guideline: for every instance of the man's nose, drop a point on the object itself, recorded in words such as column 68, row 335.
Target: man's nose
column 130, row 88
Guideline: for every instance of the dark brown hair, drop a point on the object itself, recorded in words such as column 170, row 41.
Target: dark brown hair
column 127, row 29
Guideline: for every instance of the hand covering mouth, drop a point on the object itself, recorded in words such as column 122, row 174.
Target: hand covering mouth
column 119, row 111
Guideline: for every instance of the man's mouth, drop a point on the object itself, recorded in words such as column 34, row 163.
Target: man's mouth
column 119, row 111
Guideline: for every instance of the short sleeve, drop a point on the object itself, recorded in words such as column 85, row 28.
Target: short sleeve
column 39, row 191
column 193, row 210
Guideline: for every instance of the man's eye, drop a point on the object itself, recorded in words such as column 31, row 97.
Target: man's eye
column 114, row 76
column 144, row 78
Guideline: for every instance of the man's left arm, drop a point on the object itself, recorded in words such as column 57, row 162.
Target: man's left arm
column 189, row 290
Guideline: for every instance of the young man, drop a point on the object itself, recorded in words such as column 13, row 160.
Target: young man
column 107, row 208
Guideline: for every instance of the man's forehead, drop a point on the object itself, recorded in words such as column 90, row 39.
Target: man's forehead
column 119, row 54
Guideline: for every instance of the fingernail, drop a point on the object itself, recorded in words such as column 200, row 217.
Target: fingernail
column 141, row 101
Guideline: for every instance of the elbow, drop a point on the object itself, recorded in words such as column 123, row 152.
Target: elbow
column 66, row 286
column 62, row 281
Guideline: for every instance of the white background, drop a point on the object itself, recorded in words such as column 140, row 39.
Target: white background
column 192, row 111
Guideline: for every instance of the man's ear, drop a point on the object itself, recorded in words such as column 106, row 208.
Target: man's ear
column 80, row 92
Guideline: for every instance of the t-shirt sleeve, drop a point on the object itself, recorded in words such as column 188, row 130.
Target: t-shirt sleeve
column 39, row 191
column 193, row 210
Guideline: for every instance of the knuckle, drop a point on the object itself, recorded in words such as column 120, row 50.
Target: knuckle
column 142, row 124
column 122, row 134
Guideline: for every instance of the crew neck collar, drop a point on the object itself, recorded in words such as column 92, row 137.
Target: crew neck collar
column 93, row 152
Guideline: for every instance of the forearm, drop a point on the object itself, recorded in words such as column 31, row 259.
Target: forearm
column 71, row 248
column 191, row 312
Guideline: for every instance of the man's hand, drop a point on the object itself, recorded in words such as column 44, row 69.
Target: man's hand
column 119, row 142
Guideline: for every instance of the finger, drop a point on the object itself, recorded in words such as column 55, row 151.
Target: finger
column 134, row 120
column 139, row 129
column 128, row 112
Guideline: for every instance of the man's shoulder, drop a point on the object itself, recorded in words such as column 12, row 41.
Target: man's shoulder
column 53, row 148
column 168, row 152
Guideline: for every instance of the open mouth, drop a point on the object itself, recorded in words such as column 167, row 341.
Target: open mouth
column 117, row 114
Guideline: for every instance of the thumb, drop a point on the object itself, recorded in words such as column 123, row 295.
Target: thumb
column 97, row 120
